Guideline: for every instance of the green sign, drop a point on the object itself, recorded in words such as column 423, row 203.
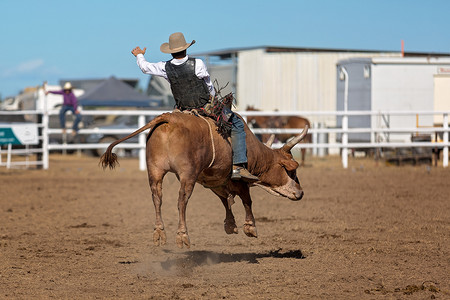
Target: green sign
column 18, row 134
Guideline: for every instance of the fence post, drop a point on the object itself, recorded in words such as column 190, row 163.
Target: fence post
column 315, row 140
column 445, row 140
column 8, row 157
column 345, row 121
column 142, row 161
column 322, row 139
column 45, row 140
column 344, row 141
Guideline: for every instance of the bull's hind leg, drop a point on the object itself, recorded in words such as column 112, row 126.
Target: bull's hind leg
column 186, row 188
column 159, row 235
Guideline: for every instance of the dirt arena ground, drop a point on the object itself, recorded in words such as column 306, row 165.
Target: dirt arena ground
column 366, row 232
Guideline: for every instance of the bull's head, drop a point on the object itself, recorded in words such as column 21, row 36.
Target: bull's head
column 281, row 177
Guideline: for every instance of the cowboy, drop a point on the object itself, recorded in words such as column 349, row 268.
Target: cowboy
column 192, row 89
column 70, row 103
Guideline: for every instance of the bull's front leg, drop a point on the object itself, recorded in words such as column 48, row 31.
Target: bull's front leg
column 249, row 225
column 229, row 222
column 187, row 186
column 227, row 199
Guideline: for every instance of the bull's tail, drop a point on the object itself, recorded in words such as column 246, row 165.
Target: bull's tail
column 109, row 159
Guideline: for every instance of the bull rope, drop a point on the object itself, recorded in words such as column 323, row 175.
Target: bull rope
column 212, row 141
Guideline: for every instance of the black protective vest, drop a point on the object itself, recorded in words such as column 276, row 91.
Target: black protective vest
column 188, row 90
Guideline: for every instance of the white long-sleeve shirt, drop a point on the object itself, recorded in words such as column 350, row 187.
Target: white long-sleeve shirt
column 159, row 69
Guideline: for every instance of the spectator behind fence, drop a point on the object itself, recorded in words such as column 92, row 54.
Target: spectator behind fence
column 70, row 103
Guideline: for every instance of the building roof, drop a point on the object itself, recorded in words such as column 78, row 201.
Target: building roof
column 228, row 53
column 407, row 60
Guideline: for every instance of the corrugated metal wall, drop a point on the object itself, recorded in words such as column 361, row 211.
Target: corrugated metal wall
column 304, row 81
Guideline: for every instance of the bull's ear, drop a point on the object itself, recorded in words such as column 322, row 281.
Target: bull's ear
column 290, row 165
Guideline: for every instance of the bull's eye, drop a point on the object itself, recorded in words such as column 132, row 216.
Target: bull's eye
column 292, row 174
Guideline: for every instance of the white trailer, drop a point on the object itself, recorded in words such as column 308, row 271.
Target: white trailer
column 393, row 84
column 32, row 98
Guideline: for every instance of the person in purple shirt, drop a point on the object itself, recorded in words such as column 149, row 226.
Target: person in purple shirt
column 70, row 103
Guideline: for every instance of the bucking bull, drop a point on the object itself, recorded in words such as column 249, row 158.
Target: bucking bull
column 190, row 147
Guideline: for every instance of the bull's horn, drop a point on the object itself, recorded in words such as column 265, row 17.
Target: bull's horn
column 270, row 141
column 288, row 146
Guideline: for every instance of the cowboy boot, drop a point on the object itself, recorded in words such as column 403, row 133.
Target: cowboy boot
column 241, row 173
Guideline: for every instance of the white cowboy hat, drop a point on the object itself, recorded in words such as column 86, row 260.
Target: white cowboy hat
column 67, row 86
column 176, row 43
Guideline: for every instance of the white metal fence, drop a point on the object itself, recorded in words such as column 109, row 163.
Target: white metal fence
column 343, row 145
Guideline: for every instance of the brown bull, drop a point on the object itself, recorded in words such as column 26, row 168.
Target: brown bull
column 190, row 147
column 284, row 122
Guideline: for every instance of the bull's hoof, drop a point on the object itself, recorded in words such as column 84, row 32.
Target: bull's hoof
column 250, row 229
column 230, row 226
column 159, row 237
column 183, row 239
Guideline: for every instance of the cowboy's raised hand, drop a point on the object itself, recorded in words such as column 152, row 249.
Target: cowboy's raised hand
column 138, row 50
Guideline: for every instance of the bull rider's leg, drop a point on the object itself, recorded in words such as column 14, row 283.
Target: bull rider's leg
column 239, row 147
column 186, row 188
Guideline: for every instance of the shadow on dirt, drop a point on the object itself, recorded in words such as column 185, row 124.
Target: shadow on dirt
column 199, row 258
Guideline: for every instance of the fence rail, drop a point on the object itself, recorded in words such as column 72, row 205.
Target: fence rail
column 344, row 145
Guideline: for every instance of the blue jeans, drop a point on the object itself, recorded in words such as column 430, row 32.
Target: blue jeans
column 238, row 143
column 62, row 117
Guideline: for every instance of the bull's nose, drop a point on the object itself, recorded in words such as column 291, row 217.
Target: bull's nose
column 298, row 195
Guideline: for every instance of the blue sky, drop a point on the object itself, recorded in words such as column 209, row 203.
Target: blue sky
column 53, row 40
